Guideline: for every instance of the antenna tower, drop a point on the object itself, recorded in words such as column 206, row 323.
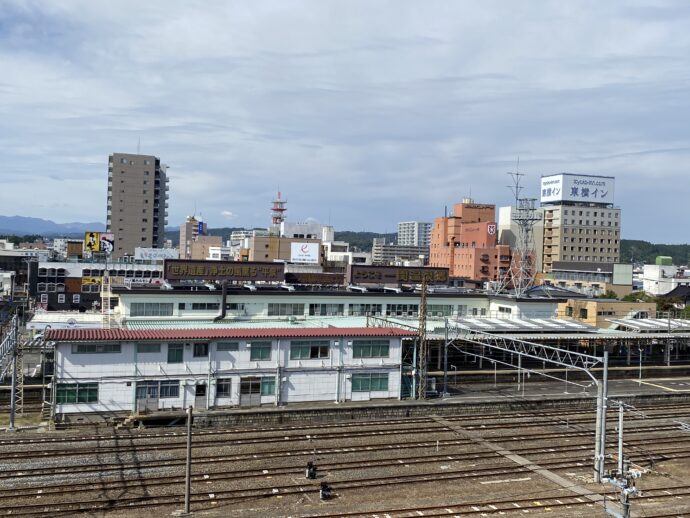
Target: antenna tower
column 520, row 276
column 277, row 214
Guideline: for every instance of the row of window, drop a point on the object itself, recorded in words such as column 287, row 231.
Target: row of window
column 76, row 393
column 587, row 231
column 566, row 221
column 587, row 213
column 67, row 393
column 259, row 351
column 151, row 309
column 50, row 287
column 136, row 274
column 61, row 298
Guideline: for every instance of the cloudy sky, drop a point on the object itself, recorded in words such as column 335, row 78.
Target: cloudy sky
column 363, row 113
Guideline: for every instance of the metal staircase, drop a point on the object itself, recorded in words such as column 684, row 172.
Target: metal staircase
column 7, row 348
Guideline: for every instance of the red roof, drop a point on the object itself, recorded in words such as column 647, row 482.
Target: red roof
column 125, row 335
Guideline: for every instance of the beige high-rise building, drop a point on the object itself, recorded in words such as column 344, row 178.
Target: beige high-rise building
column 581, row 224
column 190, row 231
column 137, row 202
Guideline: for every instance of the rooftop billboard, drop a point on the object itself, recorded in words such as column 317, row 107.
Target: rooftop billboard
column 306, row 253
column 180, row 269
column 360, row 274
column 577, row 188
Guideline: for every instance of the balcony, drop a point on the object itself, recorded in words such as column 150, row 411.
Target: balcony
column 484, row 257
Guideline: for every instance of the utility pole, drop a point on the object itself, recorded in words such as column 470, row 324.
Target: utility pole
column 445, row 361
column 14, row 341
column 423, row 345
column 623, row 477
column 668, row 340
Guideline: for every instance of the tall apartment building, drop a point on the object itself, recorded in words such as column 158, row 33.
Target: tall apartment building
column 137, row 202
column 414, row 233
column 581, row 223
column 465, row 243
column 190, row 231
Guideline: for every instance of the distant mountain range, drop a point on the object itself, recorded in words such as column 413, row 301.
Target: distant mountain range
column 20, row 226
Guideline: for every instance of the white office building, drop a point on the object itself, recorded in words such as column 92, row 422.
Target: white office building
column 660, row 279
column 414, row 233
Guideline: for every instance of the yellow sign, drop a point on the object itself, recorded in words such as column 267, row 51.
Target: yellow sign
column 90, row 280
column 92, row 242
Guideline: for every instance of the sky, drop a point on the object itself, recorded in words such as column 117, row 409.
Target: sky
column 362, row 113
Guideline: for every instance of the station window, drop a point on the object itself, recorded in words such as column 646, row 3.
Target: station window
column 148, row 348
column 76, row 393
column 275, row 310
column 95, row 348
column 158, row 389
column 200, row 350
column 326, row 309
column 205, row 306
column 369, row 382
column 268, row 386
column 224, row 388
column 365, row 309
column 260, row 351
column 227, row 346
column 439, row 310
column 370, row 349
column 309, row 349
column 151, row 309
column 170, row 388
column 175, row 353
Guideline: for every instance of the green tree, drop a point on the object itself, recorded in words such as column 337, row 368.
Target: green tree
column 608, row 294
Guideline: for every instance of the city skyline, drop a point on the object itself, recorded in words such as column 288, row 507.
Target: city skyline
column 361, row 121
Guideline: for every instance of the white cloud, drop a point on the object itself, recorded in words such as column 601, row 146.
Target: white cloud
column 227, row 214
column 364, row 114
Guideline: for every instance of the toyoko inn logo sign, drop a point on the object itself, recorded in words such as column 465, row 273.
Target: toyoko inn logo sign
column 577, row 188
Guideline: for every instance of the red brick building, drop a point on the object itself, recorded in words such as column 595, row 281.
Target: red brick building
column 465, row 243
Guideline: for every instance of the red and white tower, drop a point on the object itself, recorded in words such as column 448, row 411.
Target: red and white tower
column 278, row 213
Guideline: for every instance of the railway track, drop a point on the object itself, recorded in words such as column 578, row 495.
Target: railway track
column 523, row 505
column 298, row 469
column 429, row 426
column 239, row 495
column 81, row 504
column 684, row 410
column 293, row 439
column 576, row 456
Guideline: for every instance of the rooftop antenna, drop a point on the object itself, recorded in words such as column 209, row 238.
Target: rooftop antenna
column 139, row 146
column 277, row 214
column 516, row 188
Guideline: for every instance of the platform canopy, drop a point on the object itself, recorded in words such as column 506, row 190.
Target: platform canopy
column 650, row 325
